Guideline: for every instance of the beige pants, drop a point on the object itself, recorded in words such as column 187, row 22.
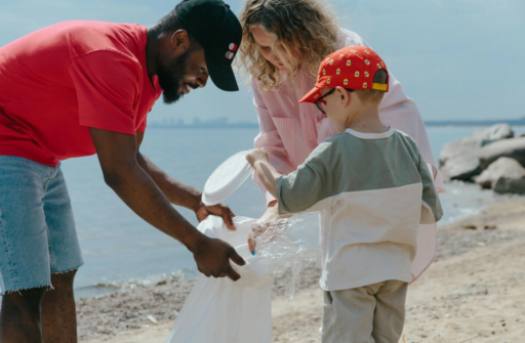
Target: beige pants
column 369, row 314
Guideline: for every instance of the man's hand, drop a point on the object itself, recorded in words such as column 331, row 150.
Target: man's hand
column 213, row 258
column 203, row 211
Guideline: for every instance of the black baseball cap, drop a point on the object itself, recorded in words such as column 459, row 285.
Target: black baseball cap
column 218, row 31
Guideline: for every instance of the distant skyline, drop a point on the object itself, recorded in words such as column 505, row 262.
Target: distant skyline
column 223, row 122
column 457, row 59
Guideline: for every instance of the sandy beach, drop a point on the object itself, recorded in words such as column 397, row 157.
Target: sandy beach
column 474, row 292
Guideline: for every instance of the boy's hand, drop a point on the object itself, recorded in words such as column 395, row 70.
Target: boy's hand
column 268, row 226
column 256, row 155
column 269, row 216
column 266, row 233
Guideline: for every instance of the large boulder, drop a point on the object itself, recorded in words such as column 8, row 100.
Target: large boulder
column 462, row 168
column 453, row 150
column 512, row 148
column 506, row 185
column 460, row 160
column 503, row 167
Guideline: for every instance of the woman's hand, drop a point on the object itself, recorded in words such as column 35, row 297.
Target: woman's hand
column 256, row 155
column 263, row 170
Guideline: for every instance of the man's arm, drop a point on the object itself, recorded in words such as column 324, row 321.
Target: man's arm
column 178, row 193
column 122, row 171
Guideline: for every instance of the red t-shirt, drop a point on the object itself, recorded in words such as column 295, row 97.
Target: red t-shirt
column 57, row 82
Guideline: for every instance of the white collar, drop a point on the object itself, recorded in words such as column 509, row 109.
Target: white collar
column 371, row 135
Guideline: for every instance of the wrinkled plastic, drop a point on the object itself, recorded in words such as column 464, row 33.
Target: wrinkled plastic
column 223, row 311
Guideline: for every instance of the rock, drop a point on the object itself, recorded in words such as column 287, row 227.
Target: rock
column 493, row 134
column 474, row 227
column 462, row 168
column 477, row 140
column 510, row 186
column 460, row 160
column 152, row 319
column 457, row 148
column 513, row 148
column 502, row 167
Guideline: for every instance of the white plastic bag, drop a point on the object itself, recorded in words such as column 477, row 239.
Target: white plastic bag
column 223, row 311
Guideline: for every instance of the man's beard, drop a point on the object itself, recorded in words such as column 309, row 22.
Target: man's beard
column 170, row 78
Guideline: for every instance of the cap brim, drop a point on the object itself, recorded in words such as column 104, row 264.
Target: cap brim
column 312, row 96
column 221, row 73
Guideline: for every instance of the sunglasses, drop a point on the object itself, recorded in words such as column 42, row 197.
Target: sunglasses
column 321, row 101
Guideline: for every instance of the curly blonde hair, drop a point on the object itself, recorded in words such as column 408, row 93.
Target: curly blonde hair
column 303, row 26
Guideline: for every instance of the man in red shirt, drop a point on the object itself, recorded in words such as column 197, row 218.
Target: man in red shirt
column 80, row 88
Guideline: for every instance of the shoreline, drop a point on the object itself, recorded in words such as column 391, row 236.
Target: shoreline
column 462, row 199
column 472, row 293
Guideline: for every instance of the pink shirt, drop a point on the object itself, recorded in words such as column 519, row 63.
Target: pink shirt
column 290, row 130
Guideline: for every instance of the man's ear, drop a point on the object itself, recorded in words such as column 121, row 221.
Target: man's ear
column 179, row 41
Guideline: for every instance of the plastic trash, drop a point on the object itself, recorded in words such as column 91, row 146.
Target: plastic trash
column 222, row 311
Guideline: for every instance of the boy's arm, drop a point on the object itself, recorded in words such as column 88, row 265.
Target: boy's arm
column 300, row 190
column 304, row 187
column 295, row 192
column 431, row 211
column 311, row 183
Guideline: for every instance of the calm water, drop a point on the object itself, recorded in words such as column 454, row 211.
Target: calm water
column 119, row 246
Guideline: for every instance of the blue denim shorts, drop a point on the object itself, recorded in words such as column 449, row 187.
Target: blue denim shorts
column 37, row 230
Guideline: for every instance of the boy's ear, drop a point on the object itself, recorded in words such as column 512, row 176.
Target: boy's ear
column 344, row 95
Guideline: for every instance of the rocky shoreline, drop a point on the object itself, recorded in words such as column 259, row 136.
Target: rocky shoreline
column 494, row 158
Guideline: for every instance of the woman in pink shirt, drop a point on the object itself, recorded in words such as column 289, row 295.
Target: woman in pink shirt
column 283, row 45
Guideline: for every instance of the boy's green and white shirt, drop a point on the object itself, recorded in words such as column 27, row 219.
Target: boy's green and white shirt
column 373, row 191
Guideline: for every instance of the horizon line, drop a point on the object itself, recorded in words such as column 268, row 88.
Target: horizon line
column 213, row 123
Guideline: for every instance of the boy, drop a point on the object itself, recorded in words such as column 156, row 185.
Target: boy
column 372, row 189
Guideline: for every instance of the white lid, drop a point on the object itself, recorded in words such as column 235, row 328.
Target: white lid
column 226, row 179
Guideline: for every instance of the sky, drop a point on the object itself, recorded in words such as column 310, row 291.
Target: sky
column 458, row 59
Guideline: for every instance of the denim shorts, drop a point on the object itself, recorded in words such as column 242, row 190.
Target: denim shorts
column 37, row 230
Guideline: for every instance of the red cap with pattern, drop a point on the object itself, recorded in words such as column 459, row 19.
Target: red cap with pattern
column 353, row 67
